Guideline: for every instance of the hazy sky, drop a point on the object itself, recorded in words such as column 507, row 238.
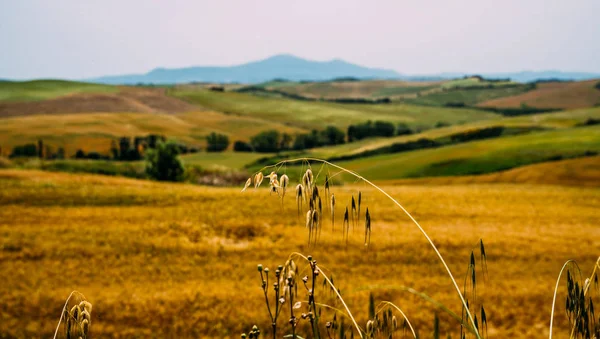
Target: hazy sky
column 88, row 38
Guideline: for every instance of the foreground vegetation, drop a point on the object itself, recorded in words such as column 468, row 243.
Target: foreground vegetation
column 145, row 253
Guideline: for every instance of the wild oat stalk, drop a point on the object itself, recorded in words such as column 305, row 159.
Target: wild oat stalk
column 77, row 320
column 308, row 182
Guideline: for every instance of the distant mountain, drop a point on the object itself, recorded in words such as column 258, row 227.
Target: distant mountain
column 282, row 66
column 292, row 68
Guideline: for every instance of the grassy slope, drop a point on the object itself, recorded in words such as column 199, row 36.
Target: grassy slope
column 553, row 95
column 145, row 253
column 466, row 96
column 94, row 131
column 481, row 156
column 558, row 120
column 571, row 172
column 318, row 114
column 353, row 89
column 48, row 89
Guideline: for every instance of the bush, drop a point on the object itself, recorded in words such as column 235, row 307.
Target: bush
column 241, row 146
column 403, row 129
column 80, row 154
column 333, row 135
column 266, row 142
column 28, row 150
column 597, row 85
column 217, row 142
column 162, row 163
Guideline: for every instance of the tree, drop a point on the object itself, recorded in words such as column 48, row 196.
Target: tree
column 124, row 146
column 383, row 129
column 163, row 163
column 285, row 142
column 80, row 154
column 217, row 142
column 40, row 149
column 266, row 142
column 28, row 150
column 403, row 129
column 241, row 146
column 114, row 150
column 333, row 135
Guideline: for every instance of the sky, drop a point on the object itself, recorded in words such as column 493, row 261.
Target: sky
column 75, row 39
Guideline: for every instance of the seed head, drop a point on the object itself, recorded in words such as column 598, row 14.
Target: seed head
column 248, row 183
column 258, row 178
column 370, row 327
column 86, row 305
column 260, row 268
column 85, row 326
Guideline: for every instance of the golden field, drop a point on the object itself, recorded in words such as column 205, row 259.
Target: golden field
column 177, row 260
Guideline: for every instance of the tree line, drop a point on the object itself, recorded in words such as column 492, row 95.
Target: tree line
column 273, row 141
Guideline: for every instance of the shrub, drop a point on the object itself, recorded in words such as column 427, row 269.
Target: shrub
column 28, row 150
column 242, row 146
column 80, row 154
column 163, row 163
column 333, row 135
column 403, row 129
column 266, row 142
column 217, row 142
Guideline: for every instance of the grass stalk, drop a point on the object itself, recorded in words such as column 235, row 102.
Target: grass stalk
column 415, row 222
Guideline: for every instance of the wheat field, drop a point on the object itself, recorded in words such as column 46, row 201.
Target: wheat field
column 176, row 260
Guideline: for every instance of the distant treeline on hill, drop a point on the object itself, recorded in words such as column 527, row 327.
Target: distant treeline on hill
column 273, row 141
column 260, row 90
column 123, row 149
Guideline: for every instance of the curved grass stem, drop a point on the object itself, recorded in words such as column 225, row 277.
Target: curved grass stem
column 437, row 252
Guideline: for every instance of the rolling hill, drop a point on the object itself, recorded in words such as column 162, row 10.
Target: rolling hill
column 480, row 157
column 309, row 114
column 553, row 95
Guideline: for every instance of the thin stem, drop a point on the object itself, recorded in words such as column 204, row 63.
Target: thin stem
column 337, row 293
column 437, row 252
column 403, row 315
column 63, row 311
column 556, row 292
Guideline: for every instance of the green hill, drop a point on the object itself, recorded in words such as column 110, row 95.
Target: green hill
column 47, row 89
column 308, row 114
column 481, row 157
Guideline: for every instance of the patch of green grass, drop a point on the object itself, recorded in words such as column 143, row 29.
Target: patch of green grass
column 481, row 157
column 47, row 89
column 319, row 114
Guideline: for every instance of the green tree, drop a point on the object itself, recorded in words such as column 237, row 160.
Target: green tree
column 333, row 135
column 265, row 142
column 216, row 142
column 163, row 163
column 403, row 129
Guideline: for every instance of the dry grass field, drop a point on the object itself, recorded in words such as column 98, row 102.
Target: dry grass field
column 95, row 131
column 179, row 261
column 563, row 95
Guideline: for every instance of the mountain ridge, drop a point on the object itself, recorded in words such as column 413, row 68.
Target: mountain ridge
column 293, row 68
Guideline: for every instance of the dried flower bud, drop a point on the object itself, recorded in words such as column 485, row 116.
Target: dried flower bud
column 260, row 268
